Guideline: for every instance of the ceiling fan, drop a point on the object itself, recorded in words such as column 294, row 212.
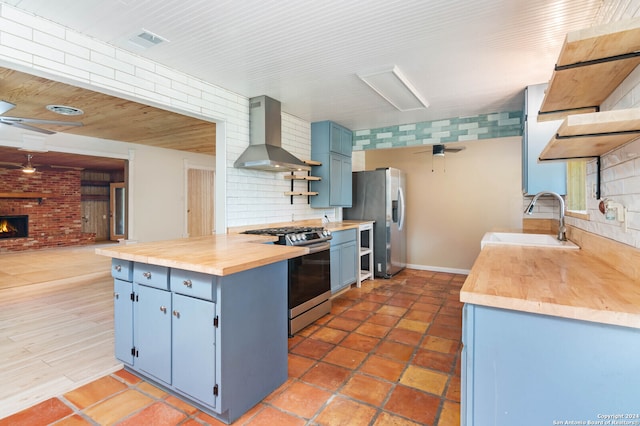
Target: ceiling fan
column 438, row 150
column 26, row 168
column 25, row 123
column 30, row 167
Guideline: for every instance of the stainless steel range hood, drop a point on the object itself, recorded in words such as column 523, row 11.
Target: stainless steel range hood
column 265, row 151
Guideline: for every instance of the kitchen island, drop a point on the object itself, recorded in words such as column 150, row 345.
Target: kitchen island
column 204, row 318
column 550, row 335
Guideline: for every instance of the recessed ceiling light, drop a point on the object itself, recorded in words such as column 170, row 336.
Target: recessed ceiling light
column 65, row 110
column 393, row 86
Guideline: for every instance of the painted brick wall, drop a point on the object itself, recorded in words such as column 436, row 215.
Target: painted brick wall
column 53, row 222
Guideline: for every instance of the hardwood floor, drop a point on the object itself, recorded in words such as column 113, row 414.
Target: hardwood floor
column 56, row 324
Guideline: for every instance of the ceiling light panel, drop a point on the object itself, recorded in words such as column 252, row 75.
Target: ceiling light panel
column 393, row 86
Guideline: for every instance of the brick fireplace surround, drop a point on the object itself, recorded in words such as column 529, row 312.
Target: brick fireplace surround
column 55, row 220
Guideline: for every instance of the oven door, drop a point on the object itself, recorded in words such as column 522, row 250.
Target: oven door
column 309, row 279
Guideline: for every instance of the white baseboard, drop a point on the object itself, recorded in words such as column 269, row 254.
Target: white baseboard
column 439, row 269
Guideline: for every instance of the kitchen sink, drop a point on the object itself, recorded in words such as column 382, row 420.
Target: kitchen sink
column 518, row 239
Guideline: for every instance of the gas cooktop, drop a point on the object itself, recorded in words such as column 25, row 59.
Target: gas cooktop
column 295, row 235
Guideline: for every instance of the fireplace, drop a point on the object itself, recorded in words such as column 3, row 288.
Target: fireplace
column 14, row 226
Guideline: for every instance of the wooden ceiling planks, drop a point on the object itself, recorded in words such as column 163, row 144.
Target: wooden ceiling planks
column 105, row 116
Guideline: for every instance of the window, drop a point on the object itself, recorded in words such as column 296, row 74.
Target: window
column 576, row 185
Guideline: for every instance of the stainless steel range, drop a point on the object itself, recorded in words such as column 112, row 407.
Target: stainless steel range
column 309, row 277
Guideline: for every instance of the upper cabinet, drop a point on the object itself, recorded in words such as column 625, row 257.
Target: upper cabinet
column 536, row 176
column 331, row 146
column 592, row 64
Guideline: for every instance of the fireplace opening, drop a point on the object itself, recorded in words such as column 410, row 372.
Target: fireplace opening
column 14, row 226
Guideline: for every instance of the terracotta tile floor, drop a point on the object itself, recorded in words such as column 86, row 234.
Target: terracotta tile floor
column 388, row 354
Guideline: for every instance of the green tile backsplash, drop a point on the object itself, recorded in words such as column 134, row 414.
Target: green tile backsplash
column 483, row 126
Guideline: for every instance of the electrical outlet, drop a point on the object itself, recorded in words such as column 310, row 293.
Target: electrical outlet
column 593, row 191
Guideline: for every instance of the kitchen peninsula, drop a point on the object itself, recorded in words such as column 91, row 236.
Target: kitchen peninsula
column 204, row 317
column 551, row 334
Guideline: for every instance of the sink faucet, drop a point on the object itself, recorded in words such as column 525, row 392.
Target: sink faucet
column 562, row 231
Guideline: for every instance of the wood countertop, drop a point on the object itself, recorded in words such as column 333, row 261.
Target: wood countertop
column 346, row 224
column 563, row 283
column 216, row 254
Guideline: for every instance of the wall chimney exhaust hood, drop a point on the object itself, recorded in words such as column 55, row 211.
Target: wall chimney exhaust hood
column 265, row 151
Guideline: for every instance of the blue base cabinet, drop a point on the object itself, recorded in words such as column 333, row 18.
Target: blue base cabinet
column 203, row 337
column 344, row 259
column 530, row 369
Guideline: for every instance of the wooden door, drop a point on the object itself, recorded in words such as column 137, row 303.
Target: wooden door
column 117, row 211
column 200, row 202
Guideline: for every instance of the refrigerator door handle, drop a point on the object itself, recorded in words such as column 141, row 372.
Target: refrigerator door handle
column 402, row 212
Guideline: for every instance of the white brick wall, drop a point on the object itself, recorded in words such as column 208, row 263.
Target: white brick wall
column 37, row 46
column 620, row 169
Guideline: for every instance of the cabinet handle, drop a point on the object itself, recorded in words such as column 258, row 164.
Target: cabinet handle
column 118, row 268
column 176, row 314
column 163, row 309
column 187, row 283
column 116, row 295
column 147, row 275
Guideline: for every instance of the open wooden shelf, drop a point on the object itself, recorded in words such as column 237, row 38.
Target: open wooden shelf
column 592, row 135
column 293, row 193
column 304, row 177
column 592, row 63
column 301, row 177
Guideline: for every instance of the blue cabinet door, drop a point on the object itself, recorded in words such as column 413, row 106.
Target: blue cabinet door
column 530, row 369
column 194, row 347
column 349, row 264
column 336, row 283
column 344, row 259
column 123, row 320
column 346, row 189
column 152, row 332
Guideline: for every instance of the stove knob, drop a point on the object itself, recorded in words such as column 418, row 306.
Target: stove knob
column 293, row 237
column 303, row 236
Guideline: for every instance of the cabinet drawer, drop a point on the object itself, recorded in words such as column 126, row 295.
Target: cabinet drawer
column 122, row 269
column 340, row 237
column 192, row 283
column 151, row 275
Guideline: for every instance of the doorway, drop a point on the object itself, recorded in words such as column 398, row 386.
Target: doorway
column 200, row 202
column 117, row 211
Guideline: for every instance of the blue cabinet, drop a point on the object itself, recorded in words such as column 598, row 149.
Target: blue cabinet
column 198, row 335
column 123, row 320
column 152, row 331
column 530, row 369
column 331, row 145
column 193, row 347
column 344, row 259
column 546, row 176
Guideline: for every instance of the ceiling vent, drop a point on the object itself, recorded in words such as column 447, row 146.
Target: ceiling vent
column 146, row 39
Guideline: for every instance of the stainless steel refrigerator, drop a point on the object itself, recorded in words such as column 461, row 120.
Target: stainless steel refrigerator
column 380, row 195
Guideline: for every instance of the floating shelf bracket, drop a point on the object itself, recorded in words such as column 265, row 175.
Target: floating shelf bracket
column 598, row 61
